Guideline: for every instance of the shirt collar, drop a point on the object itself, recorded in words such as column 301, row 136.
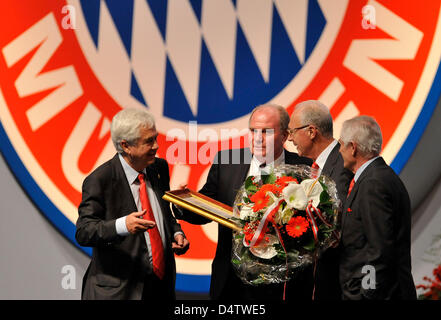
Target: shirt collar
column 363, row 167
column 280, row 160
column 321, row 159
column 131, row 174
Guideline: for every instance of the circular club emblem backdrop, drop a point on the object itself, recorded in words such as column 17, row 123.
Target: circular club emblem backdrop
column 66, row 67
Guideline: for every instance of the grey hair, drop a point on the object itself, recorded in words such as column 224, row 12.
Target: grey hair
column 283, row 115
column 126, row 125
column 365, row 132
column 316, row 113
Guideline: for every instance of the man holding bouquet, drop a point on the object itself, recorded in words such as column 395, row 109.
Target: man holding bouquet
column 268, row 126
column 311, row 131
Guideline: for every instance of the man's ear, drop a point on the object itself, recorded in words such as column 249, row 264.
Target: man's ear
column 354, row 148
column 312, row 132
column 125, row 146
column 285, row 136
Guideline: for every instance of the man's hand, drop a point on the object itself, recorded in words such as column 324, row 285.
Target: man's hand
column 180, row 245
column 135, row 223
column 182, row 186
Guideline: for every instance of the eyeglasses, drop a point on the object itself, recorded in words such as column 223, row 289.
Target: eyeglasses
column 294, row 130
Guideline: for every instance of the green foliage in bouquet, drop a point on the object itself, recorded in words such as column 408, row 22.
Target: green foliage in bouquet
column 287, row 218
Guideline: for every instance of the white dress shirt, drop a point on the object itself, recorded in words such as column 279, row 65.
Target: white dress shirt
column 363, row 167
column 323, row 156
column 256, row 169
column 132, row 179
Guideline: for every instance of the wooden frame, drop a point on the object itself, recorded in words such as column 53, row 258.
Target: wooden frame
column 204, row 206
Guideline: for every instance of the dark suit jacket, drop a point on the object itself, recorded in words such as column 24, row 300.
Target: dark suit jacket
column 327, row 284
column 120, row 265
column 376, row 226
column 227, row 174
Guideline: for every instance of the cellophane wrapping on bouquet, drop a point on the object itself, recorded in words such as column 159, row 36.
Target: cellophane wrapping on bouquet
column 288, row 218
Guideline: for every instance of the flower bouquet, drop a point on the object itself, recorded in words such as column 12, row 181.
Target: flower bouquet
column 288, row 218
column 433, row 288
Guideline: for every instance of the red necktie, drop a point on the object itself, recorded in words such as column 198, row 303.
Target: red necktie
column 351, row 185
column 314, row 173
column 155, row 238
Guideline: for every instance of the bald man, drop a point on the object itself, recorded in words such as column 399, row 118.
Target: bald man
column 268, row 126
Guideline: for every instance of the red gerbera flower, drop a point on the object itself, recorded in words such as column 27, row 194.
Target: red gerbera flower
column 260, row 200
column 437, row 273
column 433, row 286
column 269, row 187
column 297, row 226
column 284, row 180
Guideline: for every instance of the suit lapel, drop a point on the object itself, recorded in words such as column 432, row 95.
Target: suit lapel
column 348, row 203
column 347, row 206
column 154, row 176
column 330, row 163
column 372, row 166
column 244, row 166
column 289, row 157
column 240, row 176
column 121, row 186
column 294, row 158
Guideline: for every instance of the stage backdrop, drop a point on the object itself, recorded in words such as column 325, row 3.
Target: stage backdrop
column 66, row 67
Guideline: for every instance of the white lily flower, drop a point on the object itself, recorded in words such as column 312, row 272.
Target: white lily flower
column 283, row 216
column 266, row 248
column 313, row 189
column 295, row 196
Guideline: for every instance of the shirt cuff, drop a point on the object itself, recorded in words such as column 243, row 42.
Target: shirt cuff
column 178, row 232
column 121, row 228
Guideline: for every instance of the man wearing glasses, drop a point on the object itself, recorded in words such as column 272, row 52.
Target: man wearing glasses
column 311, row 131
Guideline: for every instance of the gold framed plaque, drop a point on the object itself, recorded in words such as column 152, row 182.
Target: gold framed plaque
column 203, row 206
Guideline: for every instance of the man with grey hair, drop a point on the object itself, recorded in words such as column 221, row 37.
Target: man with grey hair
column 268, row 132
column 123, row 218
column 311, row 131
column 375, row 258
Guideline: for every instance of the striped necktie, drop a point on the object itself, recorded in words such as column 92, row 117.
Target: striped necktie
column 314, row 172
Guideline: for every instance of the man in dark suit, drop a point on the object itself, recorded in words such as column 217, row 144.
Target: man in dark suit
column 268, row 129
column 375, row 261
column 123, row 217
column 311, row 131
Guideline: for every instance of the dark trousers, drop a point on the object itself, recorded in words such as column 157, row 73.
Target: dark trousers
column 156, row 289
